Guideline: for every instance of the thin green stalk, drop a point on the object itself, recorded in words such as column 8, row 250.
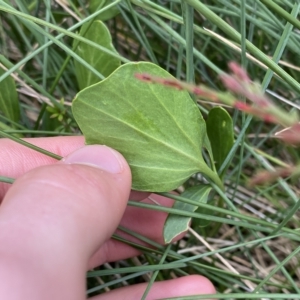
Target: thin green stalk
column 281, row 45
column 116, row 281
column 265, row 246
column 154, row 275
column 182, row 41
column 192, row 261
column 233, row 214
column 283, row 269
column 46, row 50
column 24, row 38
column 59, row 29
column 66, row 61
column 293, row 210
column 15, row 125
column 188, row 21
column 11, row 67
column 39, row 132
column 41, row 114
column 7, row 179
column 268, row 166
column 243, row 34
column 168, row 62
column 284, row 14
column 29, row 145
column 266, row 228
column 202, row 8
column 151, row 268
column 143, row 38
column 180, row 58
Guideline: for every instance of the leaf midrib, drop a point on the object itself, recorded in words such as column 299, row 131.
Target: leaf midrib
column 172, row 117
column 142, row 133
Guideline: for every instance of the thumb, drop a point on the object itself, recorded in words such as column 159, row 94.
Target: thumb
column 70, row 207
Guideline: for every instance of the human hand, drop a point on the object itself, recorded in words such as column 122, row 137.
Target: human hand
column 56, row 221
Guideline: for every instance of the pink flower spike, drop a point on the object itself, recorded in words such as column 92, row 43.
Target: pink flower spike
column 232, row 84
column 172, row 83
column 143, row 77
column 290, row 135
column 260, row 100
column 205, row 94
column 239, row 72
column 242, row 106
column 265, row 177
column 197, row 91
column 269, row 119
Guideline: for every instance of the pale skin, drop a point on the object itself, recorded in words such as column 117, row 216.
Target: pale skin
column 56, row 221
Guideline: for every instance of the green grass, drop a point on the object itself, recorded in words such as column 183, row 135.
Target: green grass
column 252, row 249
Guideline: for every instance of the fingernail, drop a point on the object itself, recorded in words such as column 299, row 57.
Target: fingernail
column 101, row 157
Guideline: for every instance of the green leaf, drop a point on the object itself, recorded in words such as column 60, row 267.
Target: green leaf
column 220, row 133
column 207, row 146
column 95, row 5
column 9, row 103
column 216, row 201
column 102, row 62
column 158, row 130
column 4, row 127
column 175, row 224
